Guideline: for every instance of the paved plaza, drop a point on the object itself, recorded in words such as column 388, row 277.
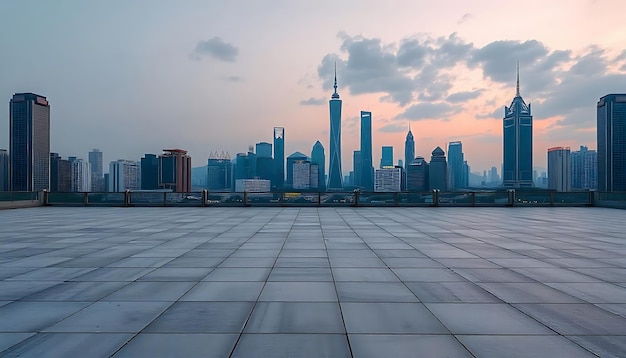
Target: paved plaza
column 313, row 282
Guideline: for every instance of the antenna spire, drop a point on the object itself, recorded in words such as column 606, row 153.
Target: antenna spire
column 335, row 94
column 517, row 88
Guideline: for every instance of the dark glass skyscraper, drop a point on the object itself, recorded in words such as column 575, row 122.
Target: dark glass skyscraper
column 386, row 159
column 437, row 170
column 219, row 172
column 367, row 169
column 318, row 157
column 612, row 143
column 584, row 168
column 457, row 166
column 29, row 136
column 409, row 149
column 97, row 180
column 149, row 172
column 356, row 168
column 518, row 143
column 4, row 170
column 335, row 176
column 279, row 157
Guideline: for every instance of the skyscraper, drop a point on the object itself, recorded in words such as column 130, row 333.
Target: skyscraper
column 279, row 157
column 95, row 160
column 367, row 168
column 388, row 179
column 584, row 168
column 335, row 175
column 386, row 159
column 437, row 170
column 149, row 173
column 219, row 172
column 319, row 158
column 295, row 157
column 457, row 166
column 29, row 137
column 559, row 169
column 611, row 142
column 81, row 175
column 4, row 170
column 264, row 150
column 409, row 149
column 518, row 143
column 417, row 175
column 356, row 167
column 174, row 170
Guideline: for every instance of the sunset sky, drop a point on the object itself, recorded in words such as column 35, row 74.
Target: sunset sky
column 134, row 77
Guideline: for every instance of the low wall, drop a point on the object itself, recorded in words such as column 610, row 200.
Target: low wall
column 19, row 204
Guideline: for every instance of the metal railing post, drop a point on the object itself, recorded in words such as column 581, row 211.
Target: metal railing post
column 126, row 198
column 44, row 197
column 473, row 198
column 245, row 198
column 204, row 196
column 551, row 198
column 592, row 198
column 435, row 197
column 319, row 199
column 395, row 198
column 164, row 198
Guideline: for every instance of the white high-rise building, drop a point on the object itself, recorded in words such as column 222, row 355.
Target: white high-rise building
column 124, row 175
column 559, row 169
column 81, row 176
column 388, row 179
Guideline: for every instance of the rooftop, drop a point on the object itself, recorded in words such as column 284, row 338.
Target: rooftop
column 312, row 282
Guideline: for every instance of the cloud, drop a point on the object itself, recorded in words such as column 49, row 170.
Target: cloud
column 429, row 111
column 393, row 128
column 217, row 49
column 463, row 96
column 233, row 79
column 313, row 101
column 464, row 18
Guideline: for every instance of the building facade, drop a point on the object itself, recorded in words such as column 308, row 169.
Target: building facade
column 264, row 150
column 149, row 173
column 584, row 169
column 4, row 170
column 388, row 180
column 175, row 170
column 294, row 158
column 518, row 143
column 458, row 171
column 97, row 178
column 356, row 168
column 386, row 158
column 124, row 175
column 559, row 169
column 29, row 142
column 319, row 158
column 279, row 158
column 438, row 170
column 367, row 166
column 81, row 175
column 220, row 172
column 409, row 149
column 335, row 175
column 417, row 175
column 611, row 127
column 252, row 185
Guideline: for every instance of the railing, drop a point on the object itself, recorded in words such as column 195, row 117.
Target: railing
column 316, row 199
column 19, row 199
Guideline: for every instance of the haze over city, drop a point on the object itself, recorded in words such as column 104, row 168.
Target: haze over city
column 134, row 78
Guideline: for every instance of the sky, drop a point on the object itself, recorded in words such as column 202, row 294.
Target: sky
column 135, row 77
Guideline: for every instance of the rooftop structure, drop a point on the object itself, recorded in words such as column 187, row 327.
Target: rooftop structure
column 334, row 282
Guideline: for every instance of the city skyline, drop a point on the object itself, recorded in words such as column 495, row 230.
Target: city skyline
column 450, row 78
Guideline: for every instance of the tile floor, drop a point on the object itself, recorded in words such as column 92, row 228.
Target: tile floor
column 312, row 282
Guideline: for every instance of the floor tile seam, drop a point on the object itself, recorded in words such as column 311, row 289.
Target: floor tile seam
column 343, row 321
column 249, row 316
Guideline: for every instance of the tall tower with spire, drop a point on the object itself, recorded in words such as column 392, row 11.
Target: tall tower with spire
column 409, row 149
column 517, row 163
column 335, row 175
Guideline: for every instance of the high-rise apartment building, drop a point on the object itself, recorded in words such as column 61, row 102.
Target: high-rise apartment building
column 335, row 175
column 409, row 149
column 458, row 171
column 291, row 160
column 29, row 147
column 518, row 143
column 611, row 111
column 97, row 178
column 4, row 170
column 124, row 175
column 279, row 158
column 319, row 158
column 81, row 175
column 584, row 168
column 559, row 169
column 367, row 166
column 386, row 158
column 175, row 170
column 438, row 170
